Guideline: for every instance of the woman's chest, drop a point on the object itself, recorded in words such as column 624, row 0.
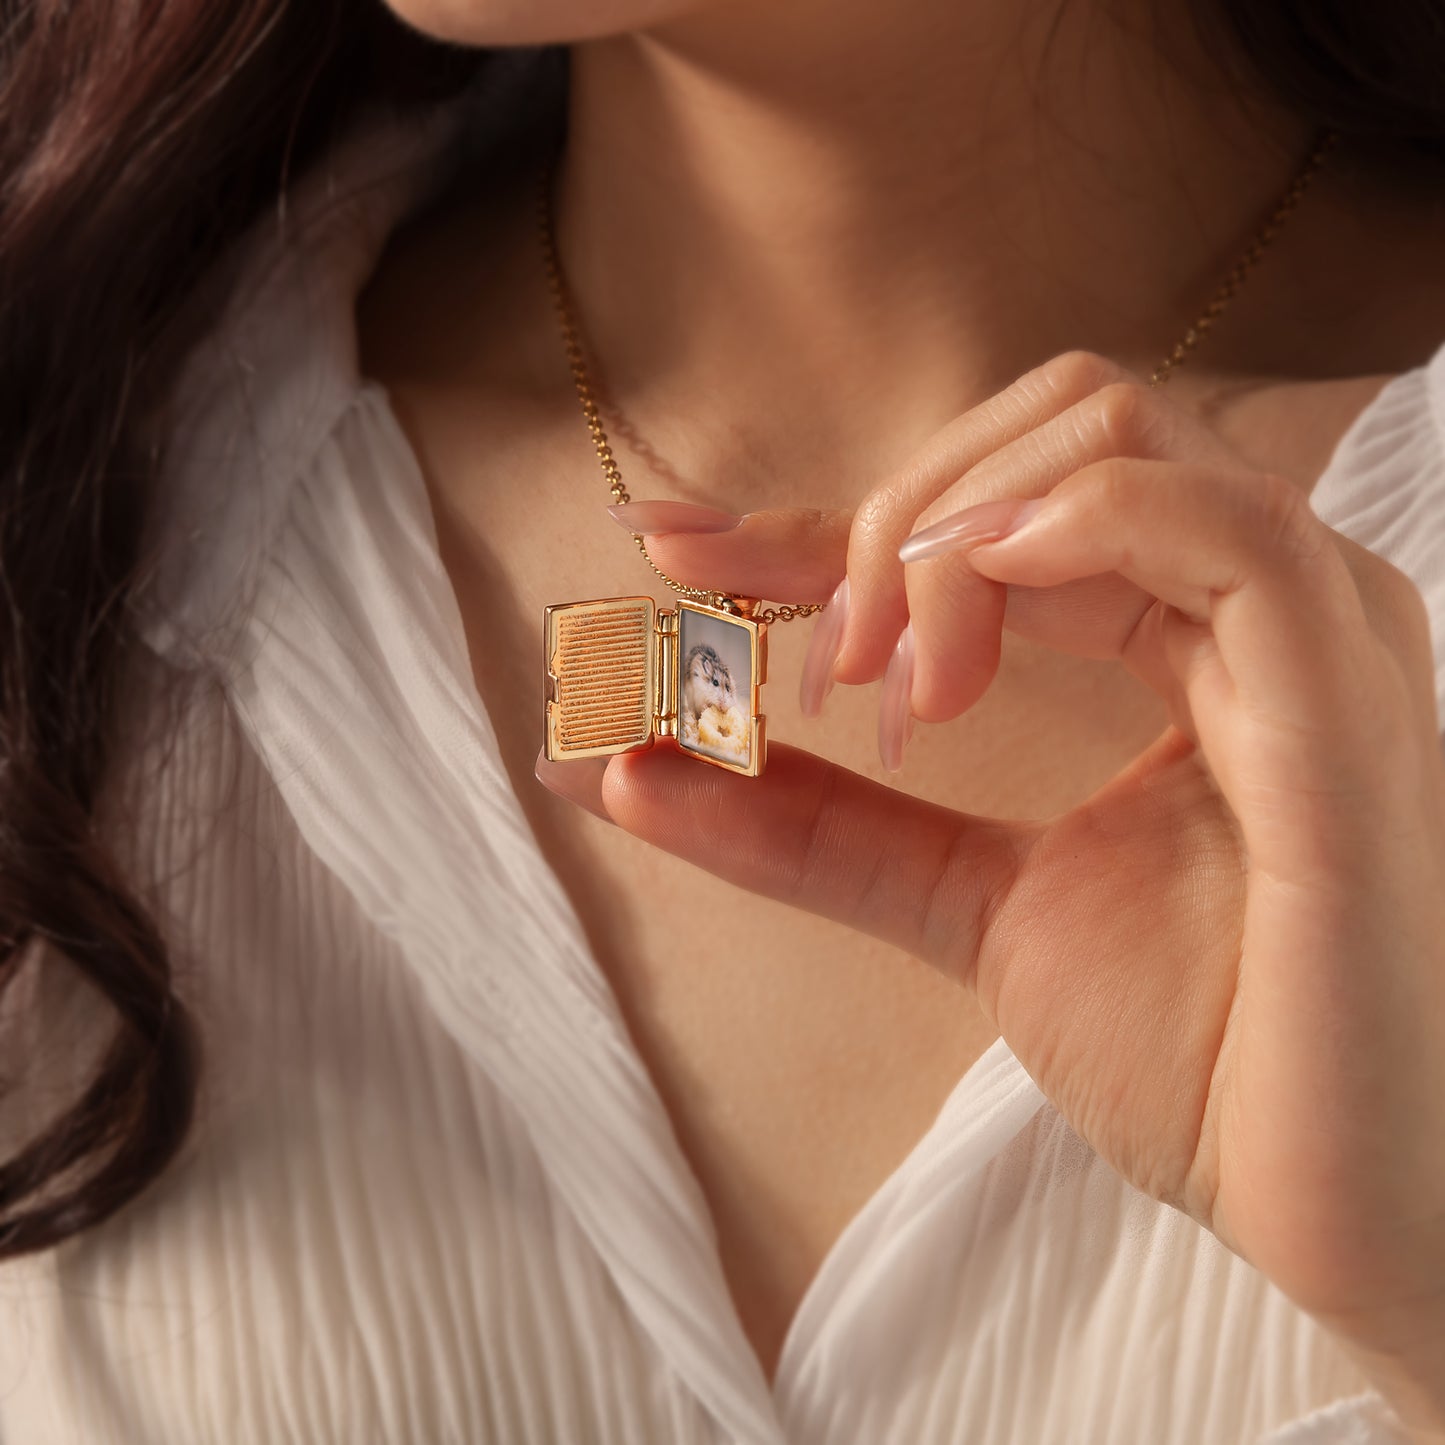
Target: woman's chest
column 799, row 1061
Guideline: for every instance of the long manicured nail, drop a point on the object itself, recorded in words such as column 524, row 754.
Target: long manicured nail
column 651, row 519
column 895, row 717
column 579, row 781
column 823, row 645
column 988, row 521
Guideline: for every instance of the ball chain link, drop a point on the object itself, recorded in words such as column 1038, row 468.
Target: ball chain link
column 1229, row 287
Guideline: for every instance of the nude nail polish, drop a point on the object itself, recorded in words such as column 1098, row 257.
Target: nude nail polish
column 823, row 646
column 651, row 519
column 895, row 715
column 985, row 522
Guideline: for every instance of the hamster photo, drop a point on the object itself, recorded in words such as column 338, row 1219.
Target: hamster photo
column 706, row 682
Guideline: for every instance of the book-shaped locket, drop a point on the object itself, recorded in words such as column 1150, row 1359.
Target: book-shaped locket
column 621, row 671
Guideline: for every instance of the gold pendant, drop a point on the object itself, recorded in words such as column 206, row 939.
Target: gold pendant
column 621, row 672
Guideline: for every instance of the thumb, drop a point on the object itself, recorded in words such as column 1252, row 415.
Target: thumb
column 787, row 555
column 817, row 836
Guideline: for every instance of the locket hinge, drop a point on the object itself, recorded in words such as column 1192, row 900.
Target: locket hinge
column 664, row 719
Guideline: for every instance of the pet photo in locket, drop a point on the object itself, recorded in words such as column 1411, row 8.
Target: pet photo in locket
column 714, row 687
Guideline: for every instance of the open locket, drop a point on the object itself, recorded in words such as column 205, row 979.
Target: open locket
column 622, row 671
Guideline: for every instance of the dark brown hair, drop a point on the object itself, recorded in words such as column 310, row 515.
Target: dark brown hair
column 137, row 139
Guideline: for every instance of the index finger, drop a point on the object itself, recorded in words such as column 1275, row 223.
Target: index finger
column 878, row 604
column 790, row 554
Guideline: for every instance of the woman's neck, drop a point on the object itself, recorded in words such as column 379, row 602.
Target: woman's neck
column 818, row 215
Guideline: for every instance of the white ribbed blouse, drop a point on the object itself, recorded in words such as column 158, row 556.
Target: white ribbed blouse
column 433, row 1194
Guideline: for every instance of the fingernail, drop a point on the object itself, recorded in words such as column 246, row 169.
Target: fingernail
column 986, row 521
column 895, row 717
column 650, row 519
column 579, row 781
column 823, row 645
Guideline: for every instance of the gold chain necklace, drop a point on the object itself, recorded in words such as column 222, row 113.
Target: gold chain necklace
column 621, row 672
column 1234, row 278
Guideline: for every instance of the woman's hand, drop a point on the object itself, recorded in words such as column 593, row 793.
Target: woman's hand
column 1227, row 967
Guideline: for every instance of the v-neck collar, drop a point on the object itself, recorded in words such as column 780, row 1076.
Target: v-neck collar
column 310, row 581
column 304, row 570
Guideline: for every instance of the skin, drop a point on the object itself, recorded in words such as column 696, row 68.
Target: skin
column 1259, row 1044
column 837, row 369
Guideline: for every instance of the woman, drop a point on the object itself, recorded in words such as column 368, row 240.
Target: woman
column 516, row 1126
